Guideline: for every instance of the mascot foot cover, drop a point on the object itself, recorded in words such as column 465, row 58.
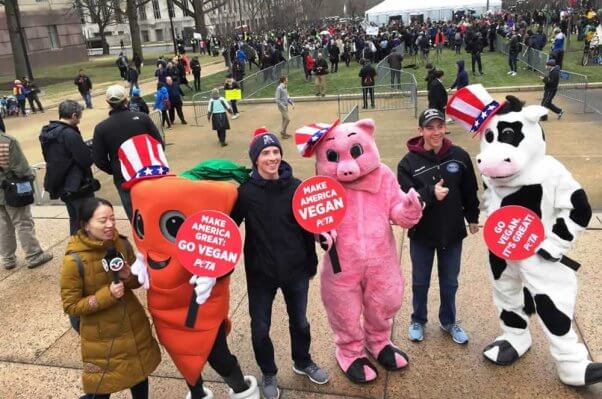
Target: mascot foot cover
column 251, row 393
column 508, row 348
column 361, row 371
column 392, row 358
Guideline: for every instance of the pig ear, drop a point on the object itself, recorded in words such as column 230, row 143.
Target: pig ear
column 533, row 113
column 367, row 125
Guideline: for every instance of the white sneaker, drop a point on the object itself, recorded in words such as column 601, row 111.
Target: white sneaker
column 509, row 72
column 208, row 394
column 234, row 116
column 513, row 73
column 251, row 393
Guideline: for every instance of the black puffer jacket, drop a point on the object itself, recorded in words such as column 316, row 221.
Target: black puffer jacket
column 68, row 158
column 275, row 245
column 442, row 222
column 109, row 134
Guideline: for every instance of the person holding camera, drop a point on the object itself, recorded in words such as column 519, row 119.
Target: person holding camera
column 117, row 345
column 16, row 196
column 68, row 161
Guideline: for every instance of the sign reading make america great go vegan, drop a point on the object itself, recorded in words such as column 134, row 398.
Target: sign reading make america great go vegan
column 319, row 204
column 209, row 244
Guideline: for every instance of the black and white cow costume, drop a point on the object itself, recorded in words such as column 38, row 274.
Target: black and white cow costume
column 517, row 171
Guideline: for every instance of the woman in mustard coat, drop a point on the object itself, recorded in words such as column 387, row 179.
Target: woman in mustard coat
column 118, row 349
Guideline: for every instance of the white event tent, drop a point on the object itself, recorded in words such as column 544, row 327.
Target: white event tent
column 434, row 9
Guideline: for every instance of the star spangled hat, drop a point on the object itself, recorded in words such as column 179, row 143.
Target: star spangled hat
column 142, row 157
column 472, row 107
column 307, row 137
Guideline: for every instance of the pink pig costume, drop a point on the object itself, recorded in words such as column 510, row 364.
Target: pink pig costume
column 370, row 284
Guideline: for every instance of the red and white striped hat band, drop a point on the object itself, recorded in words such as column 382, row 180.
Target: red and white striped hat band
column 142, row 157
column 472, row 107
column 307, row 137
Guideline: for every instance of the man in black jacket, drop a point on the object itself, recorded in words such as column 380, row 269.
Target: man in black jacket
column 68, row 161
column 121, row 125
column 551, row 81
column 279, row 254
column 195, row 65
column 175, row 98
column 84, row 86
column 443, row 175
column 437, row 94
column 475, row 47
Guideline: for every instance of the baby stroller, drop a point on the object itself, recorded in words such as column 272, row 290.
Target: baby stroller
column 12, row 106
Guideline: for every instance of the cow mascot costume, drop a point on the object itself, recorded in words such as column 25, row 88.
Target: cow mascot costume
column 362, row 299
column 517, row 171
column 190, row 313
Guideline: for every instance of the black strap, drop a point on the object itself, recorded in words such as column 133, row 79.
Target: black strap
column 80, row 266
column 193, row 309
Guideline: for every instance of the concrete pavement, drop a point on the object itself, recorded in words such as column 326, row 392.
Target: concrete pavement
column 39, row 353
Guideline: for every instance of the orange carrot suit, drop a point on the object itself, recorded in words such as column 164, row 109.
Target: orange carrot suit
column 160, row 206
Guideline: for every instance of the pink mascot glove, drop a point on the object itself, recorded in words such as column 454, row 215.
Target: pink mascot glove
column 409, row 211
column 327, row 239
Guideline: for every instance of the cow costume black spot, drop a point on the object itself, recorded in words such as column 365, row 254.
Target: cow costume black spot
column 517, row 171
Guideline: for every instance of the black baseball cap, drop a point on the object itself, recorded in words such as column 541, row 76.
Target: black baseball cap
column 429, row 115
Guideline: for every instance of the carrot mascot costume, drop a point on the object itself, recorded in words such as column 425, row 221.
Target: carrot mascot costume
column 190, row 313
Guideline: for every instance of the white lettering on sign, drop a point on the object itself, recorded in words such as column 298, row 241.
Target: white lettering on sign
column 217, row 253
column 508, row 231
column 313, row 211
column 205, row 264
column 315, row 187
column 528, row 245
column 312, row 199
column 213, row 221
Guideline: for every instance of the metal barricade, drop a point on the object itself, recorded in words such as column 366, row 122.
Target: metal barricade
column 158, row 121
column 401, row 96
column 250, row 85
column 353, row 115
column 573, row 86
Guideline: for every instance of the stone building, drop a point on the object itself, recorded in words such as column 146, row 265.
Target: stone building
column 51, row 31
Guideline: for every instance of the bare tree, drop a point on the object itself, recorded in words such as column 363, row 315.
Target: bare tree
column 102, row 13
column 131, row 10
column 197, row 10
column 17, row 43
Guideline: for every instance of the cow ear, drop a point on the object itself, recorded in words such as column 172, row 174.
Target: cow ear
column 533, row 113
column 367, row 125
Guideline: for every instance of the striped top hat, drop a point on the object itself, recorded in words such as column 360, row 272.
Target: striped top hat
column 142, row 157
column 472, row 107
column 308, row 137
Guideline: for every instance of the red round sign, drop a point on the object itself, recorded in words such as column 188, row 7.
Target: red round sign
column 209, row 244
column 513, row 232
column 319, row 204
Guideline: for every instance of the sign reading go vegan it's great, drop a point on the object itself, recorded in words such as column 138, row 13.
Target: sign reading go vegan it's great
column 209, row 244
column 319, row 204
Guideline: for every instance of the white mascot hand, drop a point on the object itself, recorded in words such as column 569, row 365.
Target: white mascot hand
column 203, row 287
column 139, row 269
column 326, row 240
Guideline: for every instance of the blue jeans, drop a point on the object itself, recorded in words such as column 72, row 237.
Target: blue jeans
column 87, row 96
column 448, row 265
column 262, row 291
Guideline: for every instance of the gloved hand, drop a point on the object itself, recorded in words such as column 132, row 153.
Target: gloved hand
column 327, row 239
column 409, row 211
column 203, row 287
column 139, row 269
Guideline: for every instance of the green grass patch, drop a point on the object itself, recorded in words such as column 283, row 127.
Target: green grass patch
column 55, row 80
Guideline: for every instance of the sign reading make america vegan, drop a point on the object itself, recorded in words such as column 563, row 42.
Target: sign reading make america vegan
column 319, row 204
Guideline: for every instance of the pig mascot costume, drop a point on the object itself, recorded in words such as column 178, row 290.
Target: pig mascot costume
column 362, row 299
column 517, row 171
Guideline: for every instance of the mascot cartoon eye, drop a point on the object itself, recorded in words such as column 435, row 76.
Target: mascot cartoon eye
column 489, row 136
column 356, row 150
column 139, row 225
column 332, row 156
column 170, row 224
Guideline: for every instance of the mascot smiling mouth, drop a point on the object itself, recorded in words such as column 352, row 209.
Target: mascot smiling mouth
column 156, row 264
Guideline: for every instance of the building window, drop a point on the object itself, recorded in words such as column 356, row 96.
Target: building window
column 145, row 37
column 156, row 9
column 159, row 35
column 54, row 37
column 170, row 9
column 142, row 12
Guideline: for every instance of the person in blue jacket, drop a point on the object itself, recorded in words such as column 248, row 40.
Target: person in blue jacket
column 163, row 104
column 461, row 77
